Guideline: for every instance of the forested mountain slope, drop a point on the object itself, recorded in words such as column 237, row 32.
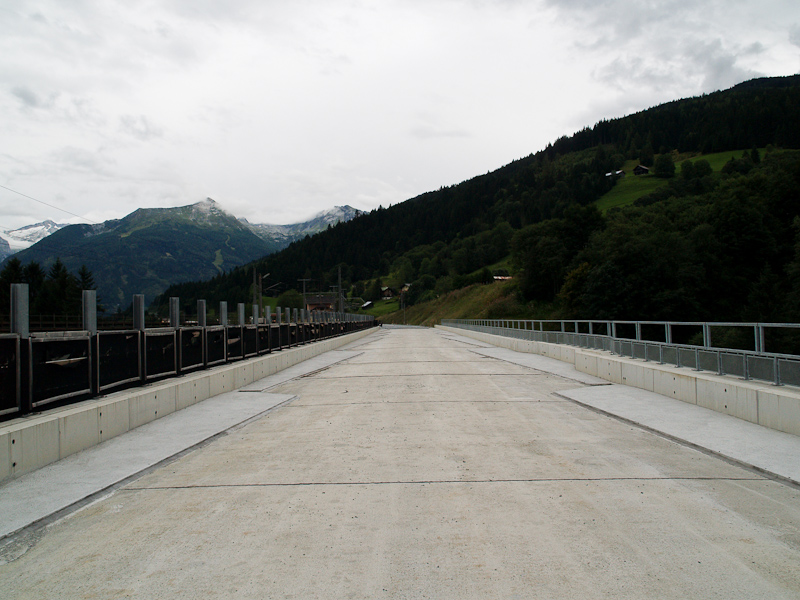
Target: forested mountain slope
column 545, row 203
column 149, row 249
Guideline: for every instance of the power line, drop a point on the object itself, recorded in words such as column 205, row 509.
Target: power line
column 50, row 205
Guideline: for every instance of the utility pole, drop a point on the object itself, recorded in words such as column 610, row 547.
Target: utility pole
column 305, row 305
column 336, row 290
column 255, row 287
column 341, row 296
column 261, row 279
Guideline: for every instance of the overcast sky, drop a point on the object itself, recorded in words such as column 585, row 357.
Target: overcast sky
column 279, row 109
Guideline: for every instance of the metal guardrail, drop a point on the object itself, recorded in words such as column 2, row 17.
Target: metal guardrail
column 681, row 344
column 38, row 370
column 10, row 382
column 57, row 367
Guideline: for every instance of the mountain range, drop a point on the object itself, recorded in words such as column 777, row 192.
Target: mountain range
column 283, row 235
column 152, row 248
column 14, row 240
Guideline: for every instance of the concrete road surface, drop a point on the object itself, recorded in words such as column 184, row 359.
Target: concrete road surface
column 421, row 468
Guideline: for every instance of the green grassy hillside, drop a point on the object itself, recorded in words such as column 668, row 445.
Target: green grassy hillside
column 490, row 301
column 632, row 187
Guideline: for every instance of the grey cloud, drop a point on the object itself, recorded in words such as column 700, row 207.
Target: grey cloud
column 330, row 62
column 794, row 34
column 717, row 65
column 214, row 11
column 636, row 72
column 32, row 100
column 427, row 132
column 612, row 22
column 58, row 107
column 754, row 48
column 71, row 158
column 140, row 127
column 27, row 96
column 704, row 66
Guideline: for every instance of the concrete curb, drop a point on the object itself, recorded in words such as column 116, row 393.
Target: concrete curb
column 770, row 406
column 31, row 442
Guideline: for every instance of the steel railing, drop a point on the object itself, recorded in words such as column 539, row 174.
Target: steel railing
column 41, row 369
column 696, row 345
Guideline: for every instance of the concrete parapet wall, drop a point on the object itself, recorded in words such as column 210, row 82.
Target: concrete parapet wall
column 28, row 443
column 758, row 402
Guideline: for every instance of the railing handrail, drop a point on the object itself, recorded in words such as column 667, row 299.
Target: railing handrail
column 41, row 367
column 617, row 344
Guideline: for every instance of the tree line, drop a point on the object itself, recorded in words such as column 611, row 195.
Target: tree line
column 54, row 291
column 720, row 247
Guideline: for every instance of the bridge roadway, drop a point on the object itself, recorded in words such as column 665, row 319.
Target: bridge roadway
column 420, row 467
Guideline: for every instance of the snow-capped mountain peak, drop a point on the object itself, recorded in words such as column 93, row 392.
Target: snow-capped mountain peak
column 24, row 237
column 284, row 234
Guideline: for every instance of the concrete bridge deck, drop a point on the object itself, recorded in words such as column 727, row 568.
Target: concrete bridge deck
column 419, row 464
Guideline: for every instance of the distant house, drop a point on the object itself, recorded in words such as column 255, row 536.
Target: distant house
column 320, row 302
column 367, row 304
column 501, row 275
column 640, row 170
column 619, row 174
column 387, row 292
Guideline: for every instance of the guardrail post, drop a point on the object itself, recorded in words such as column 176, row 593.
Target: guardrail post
column 668, row 332
column 175, row 323
column 611, row 328
column 139, row 325
column 776, row 371
column 760, row 339
column 138, row 312
column 174, row 312
column 20, row 310
column 202, row 318
column 223, row 314
column 89, row 300
column 20, row 324
column 240, row 314
column 706, row 335
column 202, row 321
column 89, row 306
